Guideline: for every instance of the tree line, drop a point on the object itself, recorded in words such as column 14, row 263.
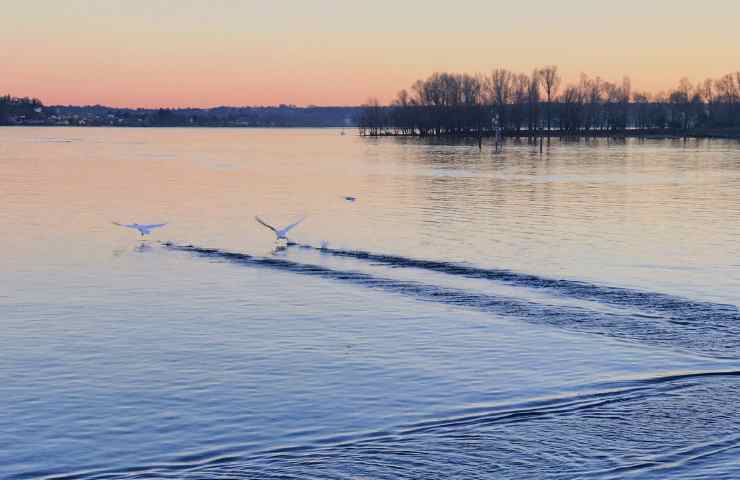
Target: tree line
column 23, row 107
column 537, row 104
column 28, row 111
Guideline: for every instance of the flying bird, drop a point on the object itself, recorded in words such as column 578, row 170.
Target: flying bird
column 280, row 233
column 350, row 199
column 144, row 229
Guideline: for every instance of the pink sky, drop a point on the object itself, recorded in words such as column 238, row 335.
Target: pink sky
column 225, row 52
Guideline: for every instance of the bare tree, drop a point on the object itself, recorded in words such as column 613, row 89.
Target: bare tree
column 571, row 110
column 642, row 102
column 551, row 83
column 372, row 121
column 680, row 99
column 498, row 88
column 591, row 89
column 706, row 92
column 520, row 91
column 533, row 102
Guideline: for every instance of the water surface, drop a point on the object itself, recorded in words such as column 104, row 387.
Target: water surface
column 573, row 314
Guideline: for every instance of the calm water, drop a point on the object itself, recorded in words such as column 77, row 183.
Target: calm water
column 570, row 315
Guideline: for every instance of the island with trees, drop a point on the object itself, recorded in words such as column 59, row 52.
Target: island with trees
column 537, row 104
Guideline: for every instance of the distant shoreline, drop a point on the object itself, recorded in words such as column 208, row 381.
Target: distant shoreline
column 725, row 134
column 728, row 134
column 25, row 111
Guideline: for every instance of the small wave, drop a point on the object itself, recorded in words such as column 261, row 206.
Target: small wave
column 437, row 443
column 661, row 466
column 636, row 409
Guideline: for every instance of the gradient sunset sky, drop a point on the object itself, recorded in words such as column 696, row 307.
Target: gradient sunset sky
column 144, row 53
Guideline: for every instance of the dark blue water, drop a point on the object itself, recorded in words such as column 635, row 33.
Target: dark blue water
column 474, row 315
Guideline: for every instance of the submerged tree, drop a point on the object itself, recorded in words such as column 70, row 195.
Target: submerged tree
column 372, row 121
column 498, row 90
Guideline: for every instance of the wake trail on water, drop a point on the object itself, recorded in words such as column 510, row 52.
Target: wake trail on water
column 714, row 335
column 681, row 309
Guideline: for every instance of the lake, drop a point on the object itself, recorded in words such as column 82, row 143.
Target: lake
column 574, row 314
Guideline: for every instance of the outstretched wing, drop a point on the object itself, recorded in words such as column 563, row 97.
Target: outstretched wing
column 261, row 222
column 287, row 229
column 153, row 225
column 123, row 225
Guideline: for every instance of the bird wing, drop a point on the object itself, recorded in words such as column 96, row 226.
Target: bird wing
column 287, row 229
column 262, row 222
column 152, row 225
column 123, row 225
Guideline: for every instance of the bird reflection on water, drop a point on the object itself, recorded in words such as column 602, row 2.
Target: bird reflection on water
column 143, row 247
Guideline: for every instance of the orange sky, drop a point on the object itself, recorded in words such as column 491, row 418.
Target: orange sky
column 326, row 52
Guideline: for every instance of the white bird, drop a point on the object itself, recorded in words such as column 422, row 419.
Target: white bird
column 280, row 233
column 144, row 229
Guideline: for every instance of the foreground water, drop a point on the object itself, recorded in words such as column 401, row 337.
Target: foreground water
column 475, row 315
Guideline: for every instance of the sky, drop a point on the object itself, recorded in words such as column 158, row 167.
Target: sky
column 203, row 53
